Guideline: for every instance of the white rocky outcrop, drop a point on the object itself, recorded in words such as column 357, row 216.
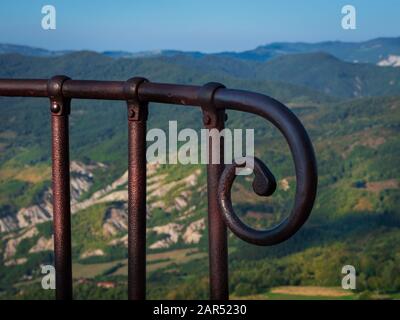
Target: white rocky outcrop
column 15, row 262
column 92, row 253
column 12, row 244
column 168, row 196
column 8, row 223
column 81, row 181
column 43, row 244
column 284, row 184
column 172, row 230
column 193, row 232
column 115, row 221
column 123, row 240
column 391, row 61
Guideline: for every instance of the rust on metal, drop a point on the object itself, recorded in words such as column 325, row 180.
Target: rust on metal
column 60, row 109
column 214, row 99
column 137, row 118
column 214, row 119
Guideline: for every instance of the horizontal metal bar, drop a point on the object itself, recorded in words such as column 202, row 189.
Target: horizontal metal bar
column 114, row 90
column 23, row 88
column 102, row 90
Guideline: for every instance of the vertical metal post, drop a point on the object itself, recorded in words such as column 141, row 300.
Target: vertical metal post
column 214, row 119
column 137, row 117
column 60, row 109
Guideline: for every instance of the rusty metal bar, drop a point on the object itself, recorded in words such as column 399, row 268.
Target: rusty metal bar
column 60, row 109
column 213, row 120
column 106, row 90
column 137, row 117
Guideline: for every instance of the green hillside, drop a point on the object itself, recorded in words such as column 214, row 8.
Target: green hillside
column 345, row 79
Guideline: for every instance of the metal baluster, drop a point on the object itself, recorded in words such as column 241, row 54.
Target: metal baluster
column 213, row 120
column 60, row 109
column 137, row 117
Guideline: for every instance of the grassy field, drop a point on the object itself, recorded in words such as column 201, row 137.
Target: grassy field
column 303, row 293
column 155, row 261
column 316, row 293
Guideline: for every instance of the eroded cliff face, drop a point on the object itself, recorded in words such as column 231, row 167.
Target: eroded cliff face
column 171, row 212
column 42, row 210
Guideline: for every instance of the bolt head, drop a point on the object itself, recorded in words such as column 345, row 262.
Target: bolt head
column 131, row 113
column 55, row 107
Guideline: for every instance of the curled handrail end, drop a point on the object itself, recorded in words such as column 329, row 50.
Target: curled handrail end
column 304, row 161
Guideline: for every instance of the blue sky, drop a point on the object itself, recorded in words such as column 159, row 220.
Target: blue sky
column 202, row 25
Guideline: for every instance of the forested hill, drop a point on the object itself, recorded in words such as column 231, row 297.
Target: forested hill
column 315, row 71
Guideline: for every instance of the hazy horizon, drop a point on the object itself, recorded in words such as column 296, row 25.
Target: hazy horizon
column 174, row 49
column 192, row 26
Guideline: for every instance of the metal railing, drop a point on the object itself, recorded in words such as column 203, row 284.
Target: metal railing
column 214, row 99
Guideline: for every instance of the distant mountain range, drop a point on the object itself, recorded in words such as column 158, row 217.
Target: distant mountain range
column 6, row 48
column 318, row 71
column 382, row 51
column 371, row 51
